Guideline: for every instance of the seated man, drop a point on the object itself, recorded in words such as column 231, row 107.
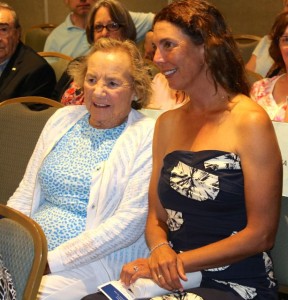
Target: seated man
column 22, row 71
column 70, row 36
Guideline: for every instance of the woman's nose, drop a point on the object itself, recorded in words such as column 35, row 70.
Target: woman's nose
column 99, row 90
column 104, row 32
column 158, row 58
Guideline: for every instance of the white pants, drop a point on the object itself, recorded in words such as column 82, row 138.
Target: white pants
column 73, row 284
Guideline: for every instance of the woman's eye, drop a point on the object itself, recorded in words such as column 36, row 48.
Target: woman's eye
column 113, row 84
column 90, row 80
column 168, row 45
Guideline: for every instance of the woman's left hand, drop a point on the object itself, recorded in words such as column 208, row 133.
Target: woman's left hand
column 138, row 268
column 167, row 268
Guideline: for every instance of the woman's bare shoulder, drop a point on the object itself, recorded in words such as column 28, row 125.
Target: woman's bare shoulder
column 246, row 111
column 252, row 124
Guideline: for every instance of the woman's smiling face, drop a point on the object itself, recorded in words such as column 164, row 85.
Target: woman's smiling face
column 108, row 88
column 177, row 57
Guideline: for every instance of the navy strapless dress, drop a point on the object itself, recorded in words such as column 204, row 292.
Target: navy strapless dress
column 203, row 194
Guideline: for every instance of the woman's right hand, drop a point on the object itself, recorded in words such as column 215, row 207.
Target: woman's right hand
column 138, row 268
column 167, row 268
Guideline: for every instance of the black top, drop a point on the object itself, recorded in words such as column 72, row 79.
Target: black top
column 26, row 74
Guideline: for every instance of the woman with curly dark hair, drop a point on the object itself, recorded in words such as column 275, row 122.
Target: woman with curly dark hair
column 271, row 93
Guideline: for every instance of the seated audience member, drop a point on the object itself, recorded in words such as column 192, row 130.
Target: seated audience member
column 107, row 18
column 260, row 61
column 22, row 71
column 86, row 183
column 149, row 50
column 209, row 195
column 163, row 97
column 70, row 36
column 271, row 93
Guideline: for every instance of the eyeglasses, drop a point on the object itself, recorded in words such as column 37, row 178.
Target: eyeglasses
column 283, row 40
column 110, row 27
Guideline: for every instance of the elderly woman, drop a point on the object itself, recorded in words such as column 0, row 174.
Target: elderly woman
column 216, row 183
column 272, row 93
column 107, row 18
column 86, row 183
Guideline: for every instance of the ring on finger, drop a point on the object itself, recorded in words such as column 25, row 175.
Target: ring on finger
column 135, row 268
column 159, row 276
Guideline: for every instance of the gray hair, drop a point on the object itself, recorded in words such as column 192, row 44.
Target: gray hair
column 6, row 6
column 139, row 72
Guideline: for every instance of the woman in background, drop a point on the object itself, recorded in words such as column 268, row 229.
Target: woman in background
column 109, row 19
column 260, row 61
column 272, row 93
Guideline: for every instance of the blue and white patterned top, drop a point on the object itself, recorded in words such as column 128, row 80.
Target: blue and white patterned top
column 65, row 179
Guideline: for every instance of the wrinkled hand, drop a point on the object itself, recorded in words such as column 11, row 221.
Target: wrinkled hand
column 138, row 268
column 167, row 268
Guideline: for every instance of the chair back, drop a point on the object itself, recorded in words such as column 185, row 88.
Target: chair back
column 58, row 61
column 246, row 44
column 20, row 130
column 36, row 36
column 23, row 247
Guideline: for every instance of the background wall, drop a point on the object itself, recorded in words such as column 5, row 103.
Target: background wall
column 243, row 16
column 249, row 16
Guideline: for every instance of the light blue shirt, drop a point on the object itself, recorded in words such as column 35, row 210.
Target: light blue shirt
column 71, row 40
column 68, row 39
column 65, row 179
column 143, row 23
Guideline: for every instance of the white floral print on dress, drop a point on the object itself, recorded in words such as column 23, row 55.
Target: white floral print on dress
column 194, row 183
column 175, row 219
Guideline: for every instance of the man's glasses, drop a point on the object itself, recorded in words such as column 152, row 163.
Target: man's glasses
column 110, row 27
column 283, row 40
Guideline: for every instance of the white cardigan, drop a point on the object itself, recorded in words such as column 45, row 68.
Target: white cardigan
column 117, row 207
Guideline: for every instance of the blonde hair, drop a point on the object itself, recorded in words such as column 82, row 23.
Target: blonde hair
column 138, row 72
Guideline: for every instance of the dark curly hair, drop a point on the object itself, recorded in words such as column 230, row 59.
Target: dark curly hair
column 277, row 30
column 205, row 25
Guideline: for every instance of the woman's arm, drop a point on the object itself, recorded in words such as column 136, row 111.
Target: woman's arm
column 251, row 64
column 163, row 261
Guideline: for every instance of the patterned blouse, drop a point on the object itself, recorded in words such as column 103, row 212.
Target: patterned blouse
column 73, row 95
column 262, row 93
column 65, row 179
